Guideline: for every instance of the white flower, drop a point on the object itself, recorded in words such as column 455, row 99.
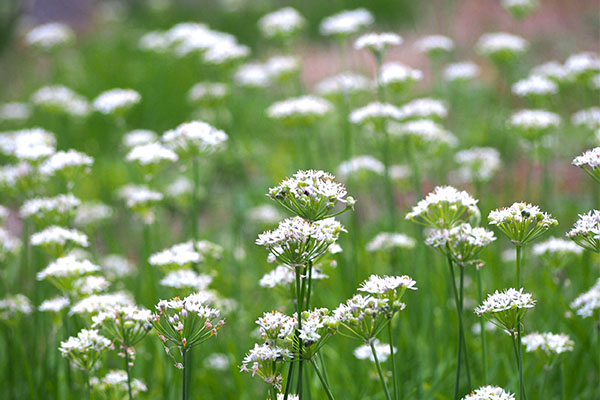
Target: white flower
column 397, row 74
column 535, row 85
column 117, row 380
column 552, row 70
column 281, row 67
column 425, row 130
column 13, row 305
column 382, row 349
column 463, row 242
column 185, row 278
column 377, row 42
column 304, row 108
column 139, row 137
column 8, row 244
column 252, row 75
column 43, row 208
column 217, row 362
column 179, row 255
column 195, row 137
column 424, row 108
column 62, row 99
column 56, row 235
column 85, row 348
column 534, row 121
column 266, row 214
column 522, row 222
column 479, row 163
column 62, row 160
column 227, row 51
column 509, row 299
column 116, row 100
column 489, row 393
column 443, row 208
column 116, row 266
column 346, row 22
column 374, row 111
column 284, row 276
column 501, row 45
column 360, row 163
column 343, row 83
column 556, row 245
column 91, row 213
column 54, row 305
column 386, row 241
column 154, row 41
column 589, row 117
column 461, row 71
column 50, row 36
column 548, row 342
column 33, row 144
column 378, row 285
column 139, row 195
column 434, row 44
column 582, row 63
column 91, row 285
column 589, row 160
column 519, row 8
column 181, row 186
column 67, row 267
column 151, row 153
column 15, row 111
column 588, row 302
column 586, row 231
column 283, row 22
column 207, row 92
column 98, row 303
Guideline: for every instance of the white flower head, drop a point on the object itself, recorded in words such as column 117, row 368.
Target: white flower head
column 116, row 266
column 424, row 108
column 98, row 303
column 501, row 46
column 535, row 85
column 284, row 276
column 208, row 93
column 507, row 308
column 556, row 251
column 55, row 239
column 519, row 8
column 151, row 154
column 344, row 83
column 61, row 99
column 424, row 133
column 50, row 36
column 522, row 222
column 282, row 23
column 461, row 71
column 226, row 52
column 264, row 214
column 489, row 393
column 374, row 113
column 15, row 111
column 54, row 305
column 63, row 271
column 382, row 350
column 589, row 118
column 116, row 101
column 463, row 243
column 139, row 137
column 346, row 23
column 299, row 110
column 377, row 42
column 13, row 306
column 195, row 137
column 85, row 348
column 589, row 161
column 281, row 68
column 31, row 145
column 116, row 381
column 549, row 343
column 9, row 244
column 588, row 302
column 478, row 164
column 92, row 213
column 586, row 231
column 67, row 163
column 360, row 163
column 387, row 241
column 177, row 256
column 186, row 279
column 254, row 75
column 533, row 124
column 582, row 64
column 46, row 210
column 435, row 44
column 444, row 208
column 397, row 76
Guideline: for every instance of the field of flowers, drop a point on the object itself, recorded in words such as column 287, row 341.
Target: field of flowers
column 313, row 200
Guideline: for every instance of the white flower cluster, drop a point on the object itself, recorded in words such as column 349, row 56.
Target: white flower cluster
column 284, row 276
column 384, row 285
column 522, row 222
column 462, row 71
column 85, row 348
column 276, row 68
column 91, row 213
column 386, row 241
column 586, row 231
column 342, row 84
column 534, row 122
column 59, row 236
column 28, row 144
column 138, row 137
column 177, row 256
column 489, row 393
column 304, row 109
column 581, row 64
column 281, row 23
column 261, row 360
column 589, row 117
column 501, row 45
column 360, row 163
column 186, row 279
column 506, row 308
column 478, row 164
column 590, row 162
column 139, row 196
column 207, row 92
column 297, row 241
column 397, row 75
column 443, row 208
column 98, row 303
column 346, row 22
column 374, row 112
column 195, row 137
column 67, row 267
column 535, row 85
column 264, row 214
column 9, row 244
column 425, row 131
column 227, row 52
column 116, row 100
column 587, row 303
column 434, row 44
column 61, row 99
column 381, row 349
column 116, row 380
column 424, row 108
column 464, row 242
column 62, row 161
column 91, row 284
column 377, row 42
column 115, row 265
column 14, row 305
column 365, row 314
column 50, row 36
column 548, row 342
column 14, row 111
column 556, row 245
column 54, row 305
column 151, row 153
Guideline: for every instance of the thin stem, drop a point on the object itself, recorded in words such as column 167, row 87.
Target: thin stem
column 459, row 354
column 482, row 328
column 389, row 190
column 128, row 373
column 299, row 309
column 183, row 388
column 518, row 268
column 323, row 380
column 462, row 326
column 394, row 376
column 381, row 378
column 88, row 385
column 194, row 214
column 288, row 381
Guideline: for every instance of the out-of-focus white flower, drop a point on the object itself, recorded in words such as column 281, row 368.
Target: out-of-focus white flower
column 207, row 92
column 97, row 303
column 116, row 381
column 14, row 305
column 14, row 111
column 186, row 279
column 177, row 256
column 489, row 393
column 589, row 161
column 444, row 208
column 462, row 71
column 299, row 110
column 195, row 137
column 116, row 266
column 50, row 36
column 56, row 208
column 360, row 163
column 59, row 236
column 386, row 241
column 281, row 68
column 265, row 214
column 381, row 349
column 583, row 64
column 66, row 267
column 154, row 41
column 588, row 302
column 501, row 46
column 434, row 44
column 552, row 70
column 533, row 124
column 374, row 112
column 55, row 304
column 341, row 84
column 91, row 213
column 519, row 8
column 507, row 308
column 65, row 162
column 252, row 75
column 281, row 23
column 217, row 362
column 139, row 137
column 181, row 186
column 61, row 99
column 346, row 22
column 9, row 244
column 32, row 145
column 397, row 75
column 548, row 342
column 226, row 52
column 139, row 197
column 91, row 284
column 151, row 153
column 377, row 42
column 478, row 164
column 535, row 85
column 589, row 117
column 116, row 101
column 424, row 131
column 424, row 108
column 284, row 276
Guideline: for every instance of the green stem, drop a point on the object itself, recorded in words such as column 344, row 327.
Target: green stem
column 288, row 381
column 88, row 385
column 518, row 268
column 381, row 378
column 482, row 328
column 462, row 325
column 460, row 341
column 323, row 380
column 128, row 373
column 389, row 190
column 394, row 374
column 563, row 376
column 195, row 197
column 299, row 309
column 183, row 374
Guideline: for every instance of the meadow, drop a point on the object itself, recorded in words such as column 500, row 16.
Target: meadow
column 301, row 200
